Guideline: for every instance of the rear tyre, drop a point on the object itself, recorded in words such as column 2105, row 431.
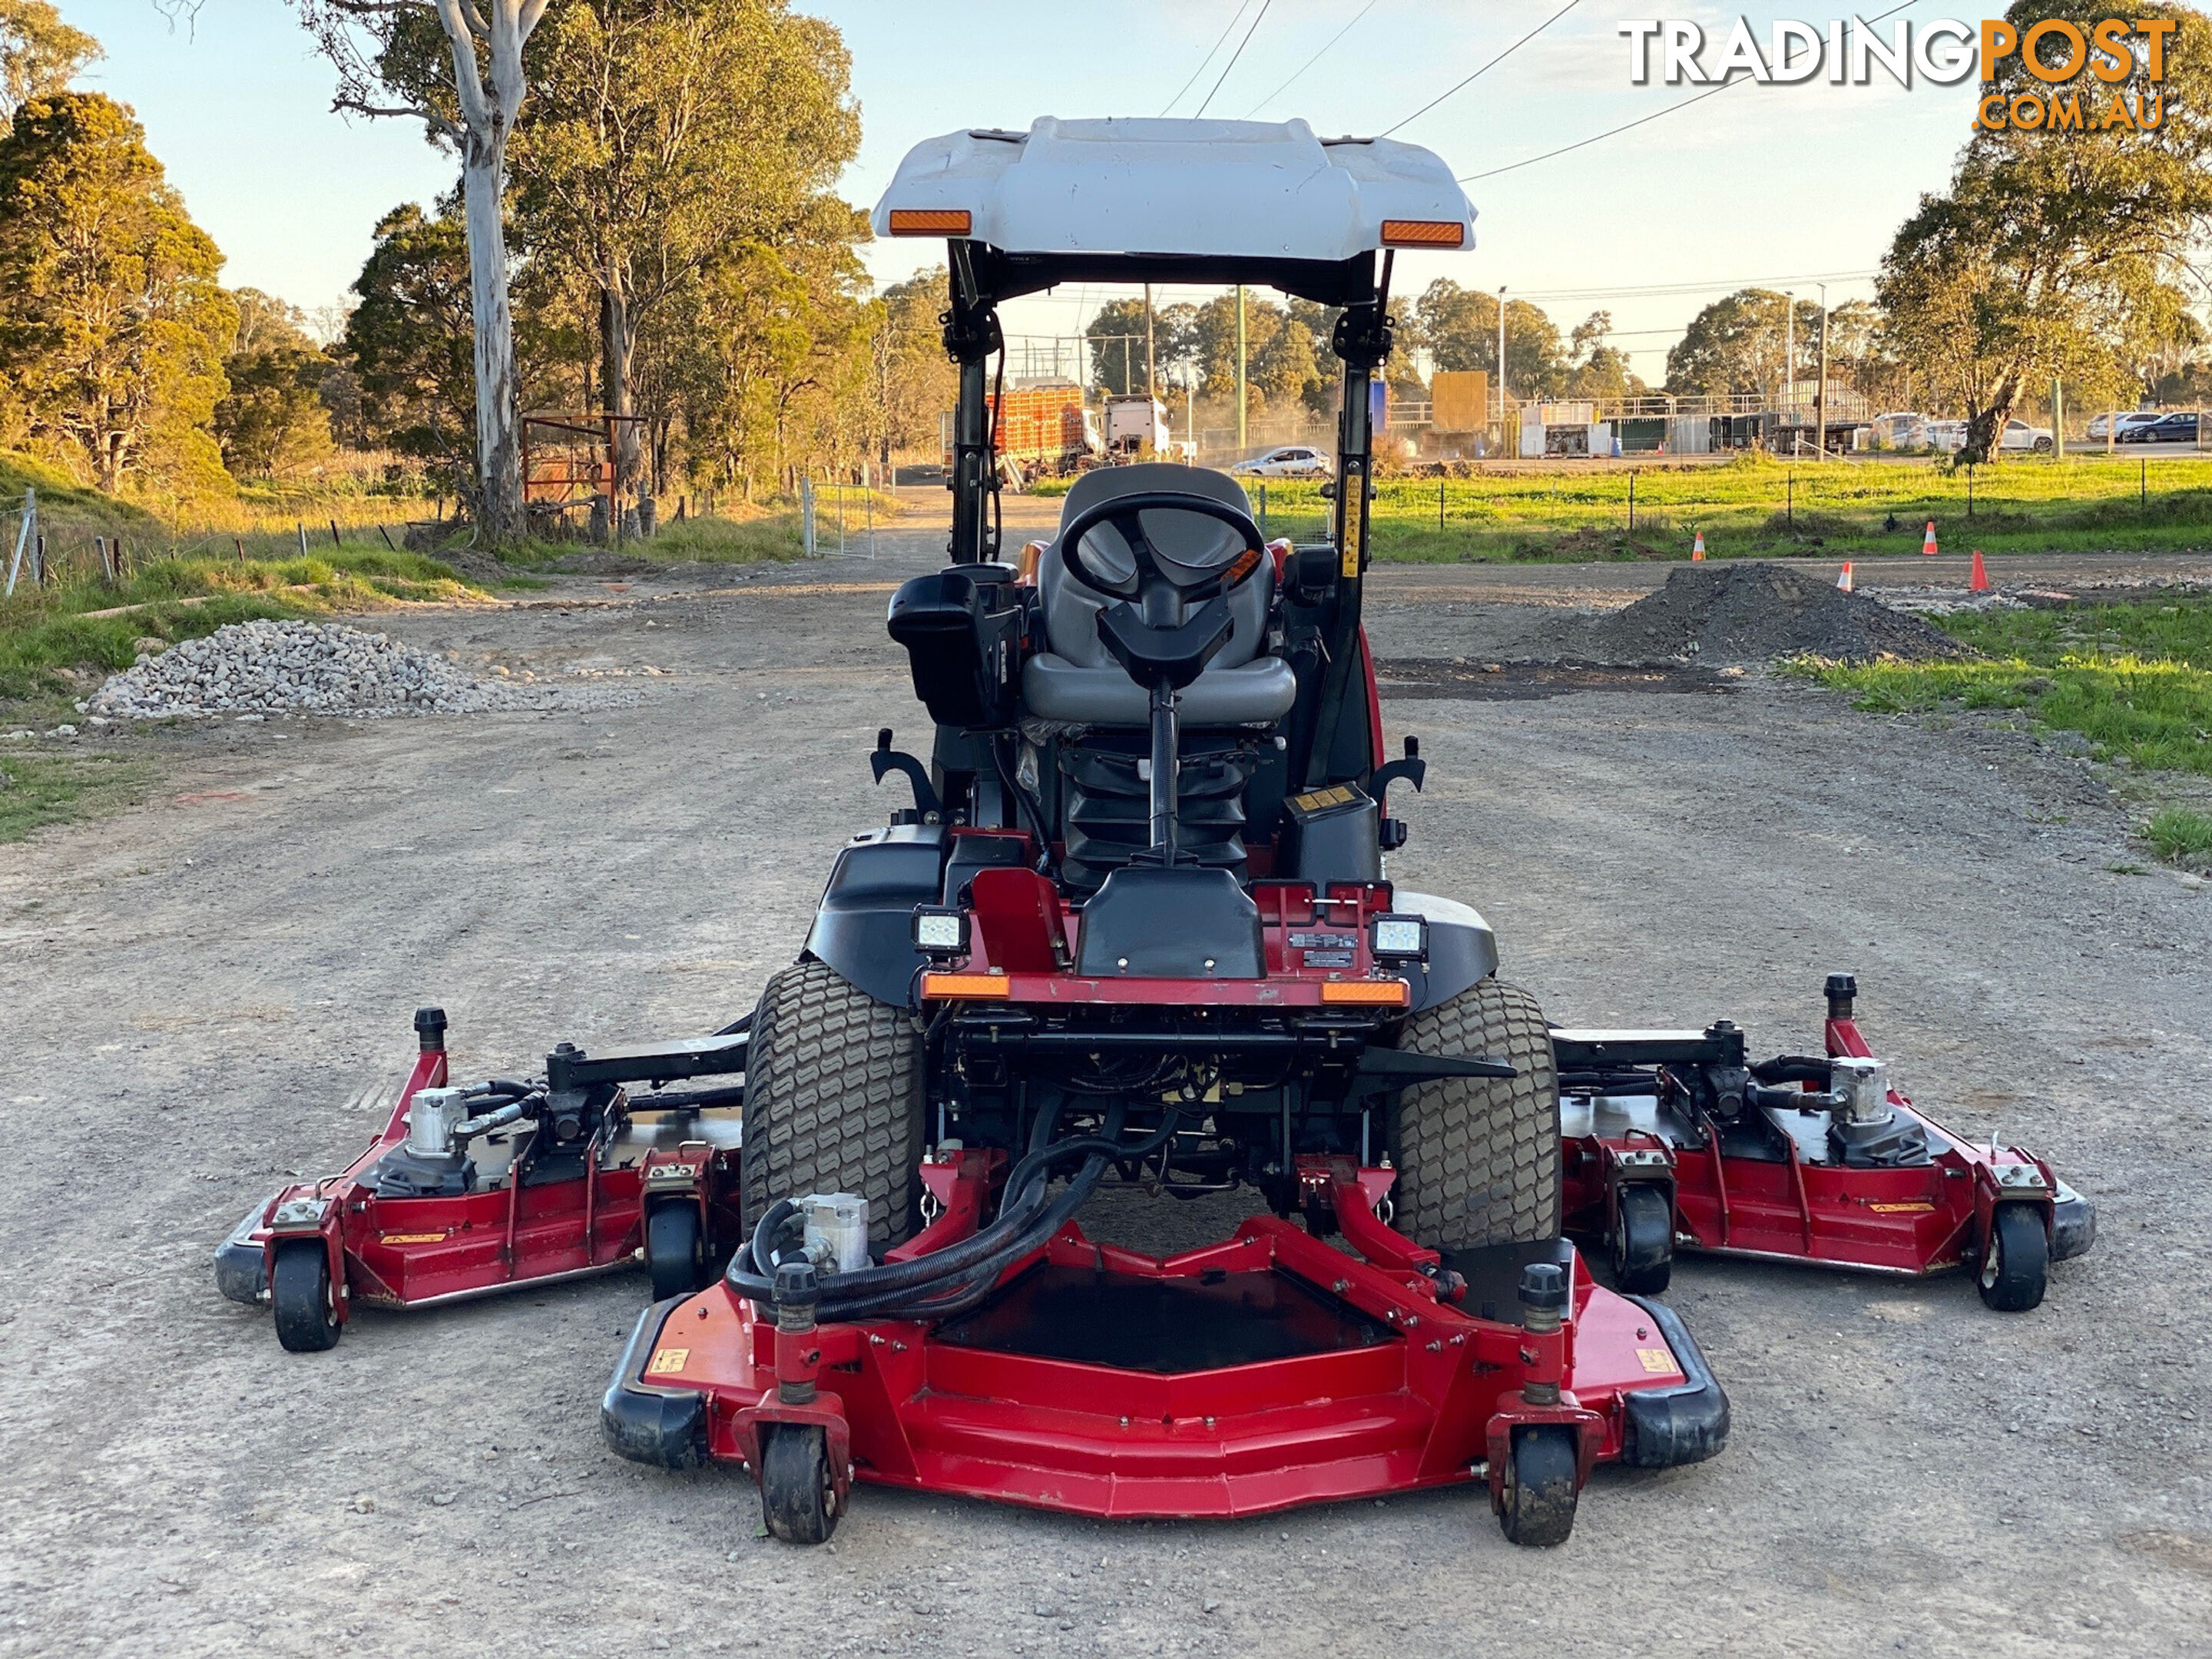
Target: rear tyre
column 301, row 1294
column 1643, row 1242
column 674, row 1252
column 797, row 1502
column 2016, row 1259
column 1537, row 1508
column 833, row 1101
column 1479, row 1158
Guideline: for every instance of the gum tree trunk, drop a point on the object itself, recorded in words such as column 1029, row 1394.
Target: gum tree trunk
column 499, row 446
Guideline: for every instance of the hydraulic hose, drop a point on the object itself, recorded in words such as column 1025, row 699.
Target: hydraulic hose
column 1023, row 1224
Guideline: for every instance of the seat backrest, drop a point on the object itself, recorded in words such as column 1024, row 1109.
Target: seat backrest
column 1072, row 606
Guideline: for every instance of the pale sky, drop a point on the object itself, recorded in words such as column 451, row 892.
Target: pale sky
column 1775, row 184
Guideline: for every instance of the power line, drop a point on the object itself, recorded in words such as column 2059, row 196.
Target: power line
column 1662, row 290
column 1203, row 62
column 1493, row 64
column 1235, row 55
column 1615, row 133
column 1311, row 61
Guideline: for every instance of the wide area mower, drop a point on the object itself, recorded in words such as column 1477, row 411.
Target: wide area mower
column 1134, row 928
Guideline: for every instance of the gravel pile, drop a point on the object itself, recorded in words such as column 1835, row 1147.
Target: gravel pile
column 297, row 667
column 1752, row 612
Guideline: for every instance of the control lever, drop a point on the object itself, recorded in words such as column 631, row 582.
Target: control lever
column 1414, row 770
column 926, row 809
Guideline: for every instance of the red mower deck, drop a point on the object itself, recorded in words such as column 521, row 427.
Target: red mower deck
column 1270, row 1370
column 1673, row 1141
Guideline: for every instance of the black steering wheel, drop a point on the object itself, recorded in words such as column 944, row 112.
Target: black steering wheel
column 1124, row 514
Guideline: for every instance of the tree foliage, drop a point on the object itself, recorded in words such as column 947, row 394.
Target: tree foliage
column 272, row 420
column 112, row 327
column 2060, row 253
column 409, row 342
column 1459, row 326
column 40, row 54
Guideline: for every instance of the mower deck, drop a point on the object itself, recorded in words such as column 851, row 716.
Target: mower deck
column 1270, row 1370
column 1669, row 1143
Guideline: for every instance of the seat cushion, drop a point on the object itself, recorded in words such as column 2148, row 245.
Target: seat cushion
column 1254, row 694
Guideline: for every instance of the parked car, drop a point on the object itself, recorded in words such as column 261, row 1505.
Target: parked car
column 1946, row 437
column 1901, row 430
column 2018, row 434
column 2179, row 428
column 1291, row 461
column 2125, row 421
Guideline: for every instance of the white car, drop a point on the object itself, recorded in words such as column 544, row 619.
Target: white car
column 2127, row 421
column 2018, row 434
column 1291, row 461
column 1901, row 430
column 1946, row 437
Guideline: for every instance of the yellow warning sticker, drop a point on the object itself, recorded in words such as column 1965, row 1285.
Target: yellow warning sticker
column 412, row 1238
column 1355, row 510
column 1918, row 1207
column 666, row 1360
column 1657, row 1362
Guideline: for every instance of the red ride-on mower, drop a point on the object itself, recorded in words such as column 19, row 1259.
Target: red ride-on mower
column 1135, row 929
column 499, row 1184
column 1674, row 1140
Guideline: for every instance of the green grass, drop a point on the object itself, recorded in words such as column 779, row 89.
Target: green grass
column 1757, row 507
column 37, row 789
column 46, row 631
column 2135, row 680
column 2180, row 835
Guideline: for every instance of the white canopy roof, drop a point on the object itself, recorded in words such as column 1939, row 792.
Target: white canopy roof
column 1236, row 189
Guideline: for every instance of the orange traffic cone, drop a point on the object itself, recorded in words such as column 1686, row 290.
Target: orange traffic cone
column 1844, row 581
column 1698, row 551
column 1927, row 542
column 1979, row 582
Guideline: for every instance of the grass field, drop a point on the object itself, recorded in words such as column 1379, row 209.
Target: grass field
column 1756, row 507
column 2136, row 680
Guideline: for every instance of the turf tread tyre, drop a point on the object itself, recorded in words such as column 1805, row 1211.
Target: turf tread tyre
column 300, row 1297
column 834, row 1101
column 1479, row 1158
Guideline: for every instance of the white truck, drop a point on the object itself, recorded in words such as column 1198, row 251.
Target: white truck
column 1135, row 422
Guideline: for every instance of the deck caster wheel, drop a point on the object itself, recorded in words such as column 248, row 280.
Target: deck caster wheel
column 1643, row 1242
column 2015, row 1261
column 305, row 1302
column 799, row 1501
column 675, row 1254
column 1538, row 1506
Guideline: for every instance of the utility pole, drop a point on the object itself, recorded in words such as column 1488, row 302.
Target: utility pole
column 1790, row 357
column 1821, row 391
column 1240, row 369
column 1501, row 359
column 1152, row 375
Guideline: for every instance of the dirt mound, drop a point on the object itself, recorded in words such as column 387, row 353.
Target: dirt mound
column 1750, row 612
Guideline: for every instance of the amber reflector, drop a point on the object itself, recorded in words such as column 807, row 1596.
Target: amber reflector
column 930, row 222
column 1401, row 232
column 965, row 985
column 1388, row 992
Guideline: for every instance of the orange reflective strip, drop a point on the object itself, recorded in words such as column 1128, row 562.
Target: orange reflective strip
column 1419, row 233
column 965, row 985
column 1389, row 992
column 930, row 222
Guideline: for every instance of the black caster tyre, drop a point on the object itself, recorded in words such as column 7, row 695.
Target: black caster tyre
column 2016, row 1259
column 1538, row 1506
column 675, row 1253
column 301, row 1295
column 1643, row 1242
column 797, row 1501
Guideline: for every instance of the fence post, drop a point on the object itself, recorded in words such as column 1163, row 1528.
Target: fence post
column 1263, row 511
column 303, row 539
column 806, row 516
column 1440, row 503
column 1631, row 500
column 24, row 537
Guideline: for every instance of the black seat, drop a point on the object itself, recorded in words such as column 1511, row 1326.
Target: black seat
column 1077, row 682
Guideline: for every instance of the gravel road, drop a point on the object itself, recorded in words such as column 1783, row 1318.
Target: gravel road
column 197, row 990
